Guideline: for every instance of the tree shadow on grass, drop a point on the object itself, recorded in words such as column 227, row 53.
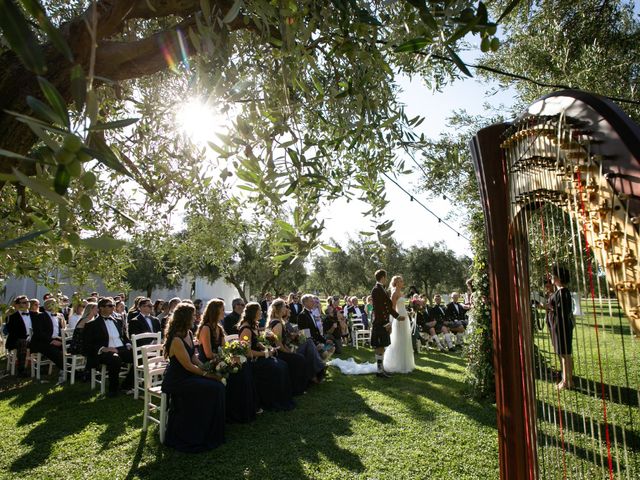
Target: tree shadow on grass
column 60, row 412
column 278, row 444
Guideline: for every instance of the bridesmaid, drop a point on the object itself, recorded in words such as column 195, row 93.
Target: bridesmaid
column 296, row 362
column 241, row 396
column 197, row 399
column 270, row 375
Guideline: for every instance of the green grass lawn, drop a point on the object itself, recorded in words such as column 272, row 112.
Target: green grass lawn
column 583, row 431
column 415, row 426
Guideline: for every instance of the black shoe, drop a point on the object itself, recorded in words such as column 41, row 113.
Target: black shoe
column 383, row 374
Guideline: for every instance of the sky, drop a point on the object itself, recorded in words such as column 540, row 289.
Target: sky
column 412, row 224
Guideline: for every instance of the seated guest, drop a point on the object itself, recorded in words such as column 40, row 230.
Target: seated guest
column 133, row 312
column 358, row 312
column 297, row 364
column 106, row 344
column 45, row 297
column 307, row 322
column 166, row 313
column 332, row 331
column 48, row 329
column 197, row 399
column 77, row 341
column 157, row 307
column 456, row 318
column 19, row 331
column 295, row 307
column 76, row 313
column 242, row 401
column 436, row 323
column 144, row 322
column 34, row 305
column 316, row 367
column 270, row 375
column 230, row 321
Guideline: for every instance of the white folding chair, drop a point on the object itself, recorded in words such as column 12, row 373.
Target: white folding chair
column 231, row 338
column 37, row 362
column 72, row 362
column 138, row 372
column 356, row 326
column 3, row 342
column 361, row 334
column 12, row 358
column 155, row 402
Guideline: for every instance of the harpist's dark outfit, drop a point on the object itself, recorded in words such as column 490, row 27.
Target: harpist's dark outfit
column 561, row 321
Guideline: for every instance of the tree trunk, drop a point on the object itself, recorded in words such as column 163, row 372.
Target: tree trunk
column 236, row 284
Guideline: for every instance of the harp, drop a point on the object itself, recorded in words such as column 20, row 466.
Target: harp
column 561, row 186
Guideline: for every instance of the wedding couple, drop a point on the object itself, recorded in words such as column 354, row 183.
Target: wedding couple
column 390, row 328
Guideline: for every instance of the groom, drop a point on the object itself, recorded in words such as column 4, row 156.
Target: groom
column 381, row 325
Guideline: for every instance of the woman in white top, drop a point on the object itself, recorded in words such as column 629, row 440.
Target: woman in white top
column 76, row 314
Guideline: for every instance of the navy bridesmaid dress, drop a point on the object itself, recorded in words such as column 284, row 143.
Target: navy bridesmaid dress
column 242, row 399
column 196, row 408
column 298, row 372
column 271, row 378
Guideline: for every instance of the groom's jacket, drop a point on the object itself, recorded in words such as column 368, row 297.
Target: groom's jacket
column 382, row 306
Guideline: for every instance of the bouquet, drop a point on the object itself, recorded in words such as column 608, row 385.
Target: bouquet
column 235, row 352
column 229, row 360
column 268, row 339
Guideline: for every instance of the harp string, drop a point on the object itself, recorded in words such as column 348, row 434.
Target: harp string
column 588, row 254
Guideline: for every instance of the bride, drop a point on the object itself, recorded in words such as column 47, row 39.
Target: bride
column 398, row 358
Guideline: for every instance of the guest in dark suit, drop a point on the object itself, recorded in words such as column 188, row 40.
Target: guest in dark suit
column 230, row 322
column 358, row 311
column 19, row 331
column 106, row 343
column 456, row 318
column 434, row 321
column 295, row 307
column 332, row 331
column 48, row 329
column 306, row 320
column 145, row 322
column 266, row 303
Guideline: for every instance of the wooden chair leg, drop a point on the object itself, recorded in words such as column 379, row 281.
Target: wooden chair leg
column 145, row 414
column 163, row 417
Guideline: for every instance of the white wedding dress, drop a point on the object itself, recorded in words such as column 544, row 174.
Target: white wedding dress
column 398, row 358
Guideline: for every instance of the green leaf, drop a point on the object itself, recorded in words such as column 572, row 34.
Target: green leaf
column 283, row 257
column 414, row 45
column 508, row 10
column 24, row 238
column 17, row 156
column 458, row 61
column 103, row 153
column 103, row 242
column 43, row 110
column 39, row 187
column 55, row 37
column 114, row 124
column 55, row 99
column 78, row 86
column 330, row 248
column 233, row 12
column 21, row 39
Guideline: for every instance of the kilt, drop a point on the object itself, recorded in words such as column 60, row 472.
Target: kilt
column 379, row 336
